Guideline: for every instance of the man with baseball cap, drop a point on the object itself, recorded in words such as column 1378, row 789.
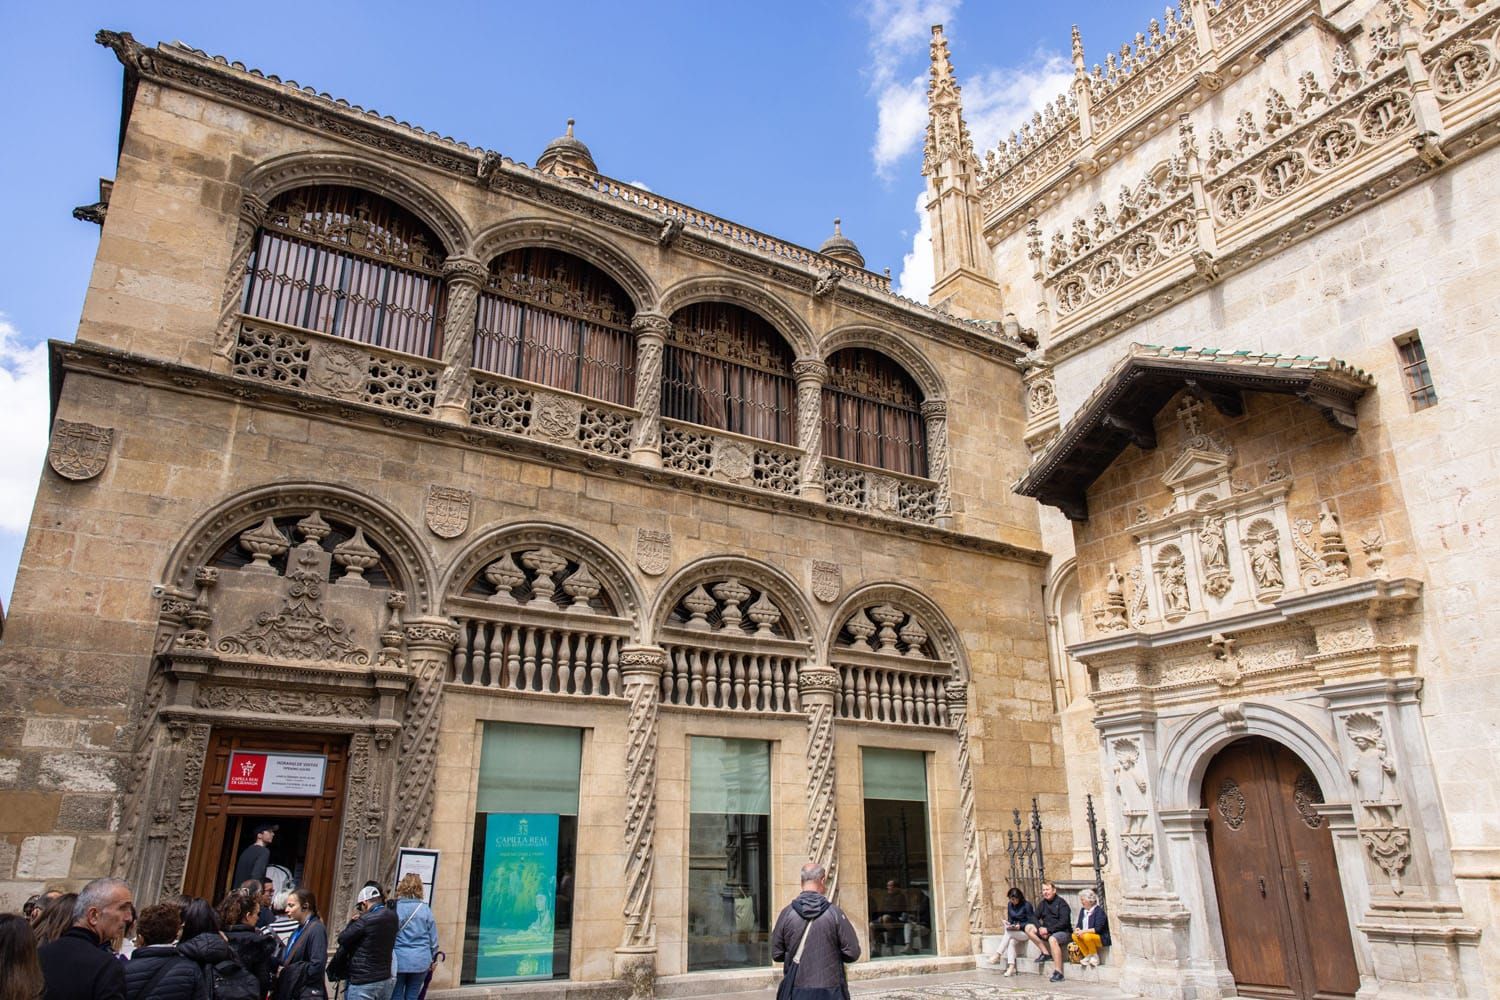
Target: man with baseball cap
column 367, row 947
column 254, row 859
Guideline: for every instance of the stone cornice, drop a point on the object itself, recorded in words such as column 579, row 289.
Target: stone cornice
column 135, row 369
column 190, row 69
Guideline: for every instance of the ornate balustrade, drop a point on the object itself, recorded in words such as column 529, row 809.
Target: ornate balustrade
column 757, row 675
column 558, row 653
column 294, row 358
column 746, row 461
column 1150, row 69
column 674, row 213
column 558, row 417
column 878, row 491
column 882, row 687
column 1136, row 251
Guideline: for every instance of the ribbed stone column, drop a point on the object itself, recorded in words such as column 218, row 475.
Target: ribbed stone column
column 429, row 650
column 958, row 715
column 811, row 374
column 465, row 277
column 935, row 414
column 226, row 332
column 635, row 959
column 819, row 688
column 651, row 331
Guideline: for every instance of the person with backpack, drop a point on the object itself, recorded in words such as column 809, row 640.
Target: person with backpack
column 205, row 943
column 815, row 941
column 416, row 938
column 367, row 948
column 305, row 956
column 255, row 951
column 157, row 970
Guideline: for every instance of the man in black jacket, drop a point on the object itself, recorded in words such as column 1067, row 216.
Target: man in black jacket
column 830, row 940
column 366, row 949
column 1054, row 929
column 79, row 965
column 256, row 856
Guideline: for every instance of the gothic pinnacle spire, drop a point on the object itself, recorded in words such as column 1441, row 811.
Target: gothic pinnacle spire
column 947, row 133
column 1079, row 66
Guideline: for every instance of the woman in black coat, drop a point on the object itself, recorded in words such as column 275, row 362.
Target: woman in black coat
column 306, row 955
column 255, row 951
column 157, row 970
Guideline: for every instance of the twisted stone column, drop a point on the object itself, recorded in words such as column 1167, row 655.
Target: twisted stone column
column 935, row 413
column 651, row 331
column 811, row 375
column 464, row 277
column 635, row 960
column 819, row 688
column 226, row 331
column 958, row 714
column 429, row 648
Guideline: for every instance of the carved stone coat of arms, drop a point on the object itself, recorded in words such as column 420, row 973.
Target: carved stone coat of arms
column 447, row 511
column 79, row 451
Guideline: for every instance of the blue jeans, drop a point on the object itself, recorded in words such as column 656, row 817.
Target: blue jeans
column 371, row 991
column 409, row 985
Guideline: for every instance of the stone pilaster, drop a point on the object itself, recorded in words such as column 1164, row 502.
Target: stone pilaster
column 465, row 277
column 935, row 414
column 635, row 959
column 651, row 331
column 226, row 331
column 811, row 375
column 957, row 694
column 429, row 649
column 819, row 688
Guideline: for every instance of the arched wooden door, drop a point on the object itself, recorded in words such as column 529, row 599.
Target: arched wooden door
column 1281, row 905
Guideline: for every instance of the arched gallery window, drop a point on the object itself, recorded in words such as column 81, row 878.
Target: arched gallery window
column 872, row 413
column 727, row 368
column 345, row 262
column 548, row 317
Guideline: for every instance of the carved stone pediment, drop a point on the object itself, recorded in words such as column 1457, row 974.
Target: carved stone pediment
column 1195, row 470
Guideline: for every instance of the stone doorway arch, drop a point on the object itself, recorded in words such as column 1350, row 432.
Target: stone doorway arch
column 1281, row 904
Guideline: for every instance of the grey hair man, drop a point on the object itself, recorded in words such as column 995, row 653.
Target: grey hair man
column 814, row 940
column 79, row 965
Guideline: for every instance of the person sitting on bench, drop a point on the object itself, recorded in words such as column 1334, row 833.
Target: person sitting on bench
column 1091, row 932
column 1054, row 929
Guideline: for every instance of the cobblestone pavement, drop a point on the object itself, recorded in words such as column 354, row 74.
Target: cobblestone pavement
column 971, row 985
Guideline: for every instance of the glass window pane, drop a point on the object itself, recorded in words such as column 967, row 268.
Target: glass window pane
column 729, row 841
column 529, row 769
column 899, row 775
column 730, row 776
column 897, row 856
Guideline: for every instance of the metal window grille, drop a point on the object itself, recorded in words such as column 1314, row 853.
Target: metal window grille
column 872, row 413
column 727, row 368
column 1415, row 372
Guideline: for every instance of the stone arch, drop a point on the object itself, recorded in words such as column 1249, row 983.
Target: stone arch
column 1064, row 607
column 915, row 364
column 742, row 293
column 294, row 170
column 610, row 568
column 941, row 633
column 513, row 234
column 384, row 527
column 782, row 588
column 1187, row 753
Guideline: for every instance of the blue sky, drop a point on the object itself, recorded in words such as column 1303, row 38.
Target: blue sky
column 776, row 115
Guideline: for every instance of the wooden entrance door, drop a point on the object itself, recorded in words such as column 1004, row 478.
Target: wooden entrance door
column 221, row 829
column 1281, row 904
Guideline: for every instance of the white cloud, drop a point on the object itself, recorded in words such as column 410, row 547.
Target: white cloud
column 23, row 432
column 916, row 277
column 901, row 124
column 899, row 30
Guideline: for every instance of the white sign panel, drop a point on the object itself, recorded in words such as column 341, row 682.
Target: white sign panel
column 423, row 863
column 254, row 772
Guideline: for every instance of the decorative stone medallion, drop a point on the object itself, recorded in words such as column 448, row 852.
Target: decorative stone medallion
column 79, row 451
column 556, row 417
column 342, row 371
column 1232, row 804
column 733, row 461
column 827, row 580
column 448, row 510
column 653, row 550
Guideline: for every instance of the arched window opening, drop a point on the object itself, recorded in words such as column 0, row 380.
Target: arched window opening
column 725, row 367
column 344, row 262
column 872, row 413
column 548, row 317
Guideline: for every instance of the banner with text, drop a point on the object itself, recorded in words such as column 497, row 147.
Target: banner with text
column 517, row 909
column 259, row 773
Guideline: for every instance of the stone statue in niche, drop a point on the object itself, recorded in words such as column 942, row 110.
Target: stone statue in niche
column 1265, row 561
column 1174, row 587
column 1372, row 767
column 1131, row 786
column 1215, row 549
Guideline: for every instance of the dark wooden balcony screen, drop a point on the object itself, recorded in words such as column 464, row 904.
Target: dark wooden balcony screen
column 727, row 368
column 548, row 317
column 872, row 413
column 350, row 264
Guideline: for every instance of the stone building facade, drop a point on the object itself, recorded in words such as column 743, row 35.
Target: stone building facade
column 399, row 491
column 1268, row 590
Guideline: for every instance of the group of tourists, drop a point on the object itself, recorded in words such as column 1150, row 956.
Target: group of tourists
column 256, row 944
column 1050, row 926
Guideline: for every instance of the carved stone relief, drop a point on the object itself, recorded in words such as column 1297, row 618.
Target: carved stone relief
column 827, row 580
column 1132, row 787
column 1171, row 575
column 556, row 417
column 733, row 461
column 653, row 550
column 282, row 701
column 447, row 510
column 339, row 371
column 79, row 451
column 1264, row 544
column 1371, row 768
column 1214, row 551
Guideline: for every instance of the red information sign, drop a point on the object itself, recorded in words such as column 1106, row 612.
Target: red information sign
column 253, row 772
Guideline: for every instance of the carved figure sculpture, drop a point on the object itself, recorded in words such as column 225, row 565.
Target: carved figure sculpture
column 1215, row 549
column 1372, row 765
column 1130, row 784
column 1265, row 561
column 1174, row 587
